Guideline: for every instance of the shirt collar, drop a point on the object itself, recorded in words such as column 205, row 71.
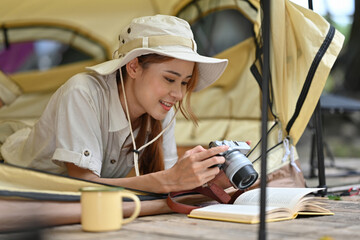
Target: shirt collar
column 117, row 117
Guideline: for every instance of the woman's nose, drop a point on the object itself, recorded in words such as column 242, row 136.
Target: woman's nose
column 177, row 92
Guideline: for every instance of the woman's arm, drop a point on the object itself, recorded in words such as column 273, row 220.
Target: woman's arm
column 192, row 170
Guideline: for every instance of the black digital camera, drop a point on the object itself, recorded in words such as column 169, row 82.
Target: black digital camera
column 237, row 166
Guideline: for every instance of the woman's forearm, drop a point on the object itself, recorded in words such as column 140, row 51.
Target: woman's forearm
column 192, row 170
column 158, row 182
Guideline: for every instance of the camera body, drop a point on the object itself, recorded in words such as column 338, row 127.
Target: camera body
column 237, row 167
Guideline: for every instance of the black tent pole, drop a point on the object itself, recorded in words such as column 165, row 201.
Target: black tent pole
column 319, row 140
column 265, row 26
column 310, row 3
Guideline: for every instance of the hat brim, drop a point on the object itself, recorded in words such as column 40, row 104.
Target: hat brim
column 210, row 69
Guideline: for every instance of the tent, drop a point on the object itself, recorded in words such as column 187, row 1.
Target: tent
column 303, row 49
column 301, row 60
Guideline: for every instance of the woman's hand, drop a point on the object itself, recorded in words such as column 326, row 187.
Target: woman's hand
column 221, row 179
column 194, row 168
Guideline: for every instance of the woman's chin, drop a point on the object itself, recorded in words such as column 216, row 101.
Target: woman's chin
column 159, row 116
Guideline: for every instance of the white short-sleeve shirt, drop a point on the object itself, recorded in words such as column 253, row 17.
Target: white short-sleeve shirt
column 85, row 124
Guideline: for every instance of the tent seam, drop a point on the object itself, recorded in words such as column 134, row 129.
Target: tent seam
column 310, row 76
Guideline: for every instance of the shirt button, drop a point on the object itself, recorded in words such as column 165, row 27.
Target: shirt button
column 112, row 161
column 86, row 153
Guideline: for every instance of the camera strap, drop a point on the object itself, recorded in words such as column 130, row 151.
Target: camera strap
column 210, row 190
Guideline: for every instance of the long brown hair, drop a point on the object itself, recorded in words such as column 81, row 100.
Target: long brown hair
column 152, row 157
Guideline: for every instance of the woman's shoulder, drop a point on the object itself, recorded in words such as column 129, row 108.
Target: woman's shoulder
column 83, row 80
column 86, row 82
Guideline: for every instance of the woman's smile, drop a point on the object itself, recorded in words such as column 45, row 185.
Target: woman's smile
column 166, row 105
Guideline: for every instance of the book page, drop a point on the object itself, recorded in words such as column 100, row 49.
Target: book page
column 239, row 213
column 229, row 209
column 313, row 206
column 281, row 197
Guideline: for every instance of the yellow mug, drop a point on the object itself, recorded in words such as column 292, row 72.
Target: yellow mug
column 101, row 208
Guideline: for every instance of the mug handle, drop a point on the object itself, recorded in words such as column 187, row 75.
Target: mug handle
column 137, row 206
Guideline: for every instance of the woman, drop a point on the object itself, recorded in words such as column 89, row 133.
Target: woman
column 94, row 123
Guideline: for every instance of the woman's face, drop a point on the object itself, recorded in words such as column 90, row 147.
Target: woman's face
column 158, row 87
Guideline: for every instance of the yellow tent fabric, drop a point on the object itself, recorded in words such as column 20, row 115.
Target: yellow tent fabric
column 26, row 183
column 303, row 49
column 304, row 34
column 97, row 20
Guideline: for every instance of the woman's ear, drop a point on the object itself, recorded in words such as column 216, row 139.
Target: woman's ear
column 133, row 67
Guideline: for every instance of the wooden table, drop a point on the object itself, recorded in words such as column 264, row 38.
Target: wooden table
column 345, row 224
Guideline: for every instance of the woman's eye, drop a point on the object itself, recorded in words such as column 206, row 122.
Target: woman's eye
column 169, row 79
column 184, row 83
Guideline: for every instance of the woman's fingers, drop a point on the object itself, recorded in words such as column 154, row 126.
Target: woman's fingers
column 198, row 160
column 200, row 154
column 195, row 167
column 208, row 153
column 212, row 162
column 193, row 150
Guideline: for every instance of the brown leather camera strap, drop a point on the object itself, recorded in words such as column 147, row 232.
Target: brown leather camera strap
column 211, row 190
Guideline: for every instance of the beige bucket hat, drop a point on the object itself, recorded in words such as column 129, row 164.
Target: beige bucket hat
column 163, row 35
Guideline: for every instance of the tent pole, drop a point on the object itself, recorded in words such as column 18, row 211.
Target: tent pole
column 320, row 149
column 6, row 37
column 310, row 3
column 264, row 113
column 319, row 140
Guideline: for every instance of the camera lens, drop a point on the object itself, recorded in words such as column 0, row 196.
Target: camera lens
column 245, row 177
column 248, row 180
column 237, row 166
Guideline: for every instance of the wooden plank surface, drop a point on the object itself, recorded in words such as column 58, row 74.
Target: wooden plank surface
column 343, row 225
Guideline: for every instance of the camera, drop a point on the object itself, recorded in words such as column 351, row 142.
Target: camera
column 237, row 167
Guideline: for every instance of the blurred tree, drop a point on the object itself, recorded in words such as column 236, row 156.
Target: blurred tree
column 348, row 62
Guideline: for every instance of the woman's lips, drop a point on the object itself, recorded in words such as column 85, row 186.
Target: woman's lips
column 166, row 105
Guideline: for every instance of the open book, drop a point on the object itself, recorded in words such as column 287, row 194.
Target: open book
column 281, row 204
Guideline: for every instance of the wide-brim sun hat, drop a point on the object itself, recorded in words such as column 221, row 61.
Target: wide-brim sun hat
column 164, row 35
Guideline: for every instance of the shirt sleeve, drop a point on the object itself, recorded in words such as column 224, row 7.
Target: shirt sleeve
column 169, row 142
column 78, row 127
